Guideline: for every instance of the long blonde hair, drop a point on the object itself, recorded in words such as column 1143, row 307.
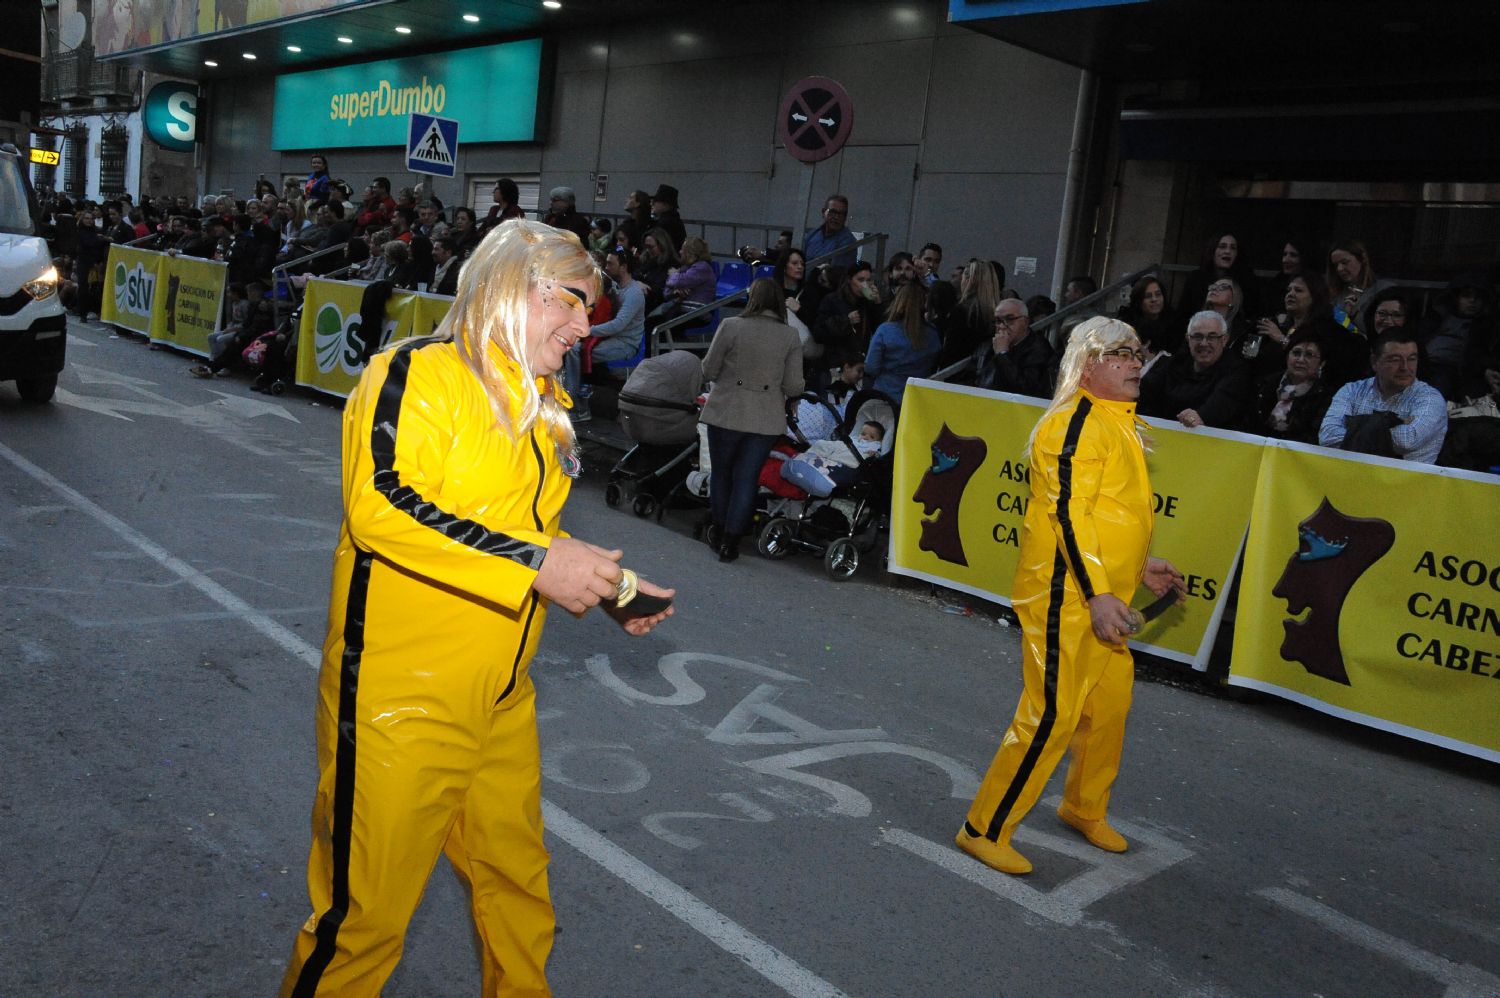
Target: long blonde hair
column 1088, row 342
column 979, row 284
column 491, row 307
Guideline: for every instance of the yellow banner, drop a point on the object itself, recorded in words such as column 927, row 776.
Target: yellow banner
column 962, row 528
column 130, row 281
column 189, row 302
column 1371, row 591
column 331, row 339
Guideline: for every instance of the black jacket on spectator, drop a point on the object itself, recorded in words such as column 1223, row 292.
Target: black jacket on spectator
column 1221, row 394
column 843, row 342
column 1026, row 369
column 571, row 221
column 1304, row 418
column 671, row 223
column 969, row 328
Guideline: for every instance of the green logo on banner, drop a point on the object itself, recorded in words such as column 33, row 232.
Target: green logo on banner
column 133, row 290
column 171, row 115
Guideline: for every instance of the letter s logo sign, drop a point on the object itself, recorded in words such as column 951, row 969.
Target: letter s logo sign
column 171, row 115
column 182, row 114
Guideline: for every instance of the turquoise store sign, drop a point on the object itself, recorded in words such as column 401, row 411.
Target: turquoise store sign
column 496, row 92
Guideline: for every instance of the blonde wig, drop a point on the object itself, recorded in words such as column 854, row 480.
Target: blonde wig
column 1088, row 342
column 491, row 307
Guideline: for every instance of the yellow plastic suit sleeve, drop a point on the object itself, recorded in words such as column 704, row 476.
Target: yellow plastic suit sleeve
column 1072, row 491
column 406, row 425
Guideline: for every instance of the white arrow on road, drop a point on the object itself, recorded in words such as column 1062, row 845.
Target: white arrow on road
column 118, row 407
column 249, row 408
column 100, row 376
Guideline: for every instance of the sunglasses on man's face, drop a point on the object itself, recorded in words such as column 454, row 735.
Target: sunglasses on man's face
column 574, row 298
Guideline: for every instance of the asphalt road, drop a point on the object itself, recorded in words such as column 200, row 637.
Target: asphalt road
column 758, row 799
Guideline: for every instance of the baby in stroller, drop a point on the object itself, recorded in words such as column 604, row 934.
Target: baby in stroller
column 847, row 485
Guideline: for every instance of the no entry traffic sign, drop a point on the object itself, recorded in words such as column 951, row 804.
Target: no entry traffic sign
column 816, row 118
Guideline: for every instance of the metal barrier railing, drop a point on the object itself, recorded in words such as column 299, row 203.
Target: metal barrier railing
column 280, row 276
column 661, row 336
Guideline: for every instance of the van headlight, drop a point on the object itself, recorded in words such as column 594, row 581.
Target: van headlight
column 43, row 287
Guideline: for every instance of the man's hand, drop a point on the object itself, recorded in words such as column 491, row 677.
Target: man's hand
column 1161, row 575
column 1189, row 417
column 1000, row 342
column 636, row 626
column 1110, row 618
column 576, row 575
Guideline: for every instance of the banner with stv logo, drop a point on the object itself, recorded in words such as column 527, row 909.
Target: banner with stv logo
column 130, row 287
column 331, row 338
column 1371, row 591
column 962, row 488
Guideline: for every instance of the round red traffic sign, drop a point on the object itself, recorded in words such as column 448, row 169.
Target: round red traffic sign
column 815, row 120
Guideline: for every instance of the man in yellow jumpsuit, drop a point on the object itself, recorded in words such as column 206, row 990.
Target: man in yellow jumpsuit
column 1083, row 553
column 456, row 460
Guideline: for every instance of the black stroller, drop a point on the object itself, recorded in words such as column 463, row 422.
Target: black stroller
column 659, row 411
column 846, row 523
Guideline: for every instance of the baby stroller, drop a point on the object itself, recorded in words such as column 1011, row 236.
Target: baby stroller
column 659, row 411
column 839, row 522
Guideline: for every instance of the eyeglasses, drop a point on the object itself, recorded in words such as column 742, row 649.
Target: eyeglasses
column 1007, row 320
column 574, row 298
column 1204, row 337
column 1125, row 354
column 1382, row 313
column 840, row 212
column 1221, row 286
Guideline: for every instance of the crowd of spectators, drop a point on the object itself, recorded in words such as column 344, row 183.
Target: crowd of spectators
column 1321, row 351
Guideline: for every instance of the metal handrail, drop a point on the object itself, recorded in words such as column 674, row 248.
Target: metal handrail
column 148, row 237
column 1040, row 325
column 279, row 273
column 686, row 318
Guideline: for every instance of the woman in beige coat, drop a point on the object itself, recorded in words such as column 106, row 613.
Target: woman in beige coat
column 755, row 364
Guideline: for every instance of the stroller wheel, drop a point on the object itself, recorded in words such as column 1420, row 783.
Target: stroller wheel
column 644, row 505
column 612, row 495
column 841, row 560
column 775, row 539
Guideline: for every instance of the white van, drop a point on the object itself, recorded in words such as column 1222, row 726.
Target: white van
column 33, row 324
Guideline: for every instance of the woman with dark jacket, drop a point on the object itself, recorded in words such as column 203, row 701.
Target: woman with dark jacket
column 755, row 364
column 657, row 258
column 416, row 273
column 1222, row 259
column 847, row 317
column 1290, row 404
column 1153, row 320
column 93, row 250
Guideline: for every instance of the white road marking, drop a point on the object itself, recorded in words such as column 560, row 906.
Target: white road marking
column 760, row 956
column 1463, row 980
column 656, row 824
column 757, row 954
column 848, row 802
column 249, row 408
column 1150, row 853
column 602, row 769
column 673, row 668
column 737, row 726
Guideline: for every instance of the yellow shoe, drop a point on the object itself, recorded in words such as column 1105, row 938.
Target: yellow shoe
column 1097, row 832
column 996, row 855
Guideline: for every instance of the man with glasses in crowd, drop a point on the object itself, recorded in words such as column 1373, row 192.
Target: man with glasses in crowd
column 832, row 235
column 1016, row 361
column 1083, row 553
column 1393, row 413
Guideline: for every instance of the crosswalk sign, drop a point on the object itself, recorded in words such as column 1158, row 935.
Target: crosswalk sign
column 432, row 145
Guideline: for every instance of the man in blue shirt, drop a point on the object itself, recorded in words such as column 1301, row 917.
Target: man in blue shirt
column 832, row 234
column 620, row 337
column 1418, row 437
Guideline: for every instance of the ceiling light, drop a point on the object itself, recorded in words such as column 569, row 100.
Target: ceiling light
column 294, row 48
column 472, row 18
column 345, row 40
column 248, row 55
column 210, row 64
column 552, row 4
column 402, row 29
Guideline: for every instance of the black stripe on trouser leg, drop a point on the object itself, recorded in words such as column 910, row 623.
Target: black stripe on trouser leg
column 343, row 781
column 1049, row 700
column 1065, row 494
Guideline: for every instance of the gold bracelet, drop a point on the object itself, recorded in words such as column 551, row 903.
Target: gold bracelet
column 627, row 587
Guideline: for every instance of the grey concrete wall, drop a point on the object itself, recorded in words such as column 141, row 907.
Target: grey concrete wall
column 957, row 138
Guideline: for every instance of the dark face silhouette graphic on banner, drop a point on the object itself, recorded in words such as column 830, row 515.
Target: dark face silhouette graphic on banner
column 1333, row 551
column 954, row 461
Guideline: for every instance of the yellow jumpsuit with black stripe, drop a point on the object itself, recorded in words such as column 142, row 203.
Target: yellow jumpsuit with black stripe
column 426, row 719
column 1087, row 532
